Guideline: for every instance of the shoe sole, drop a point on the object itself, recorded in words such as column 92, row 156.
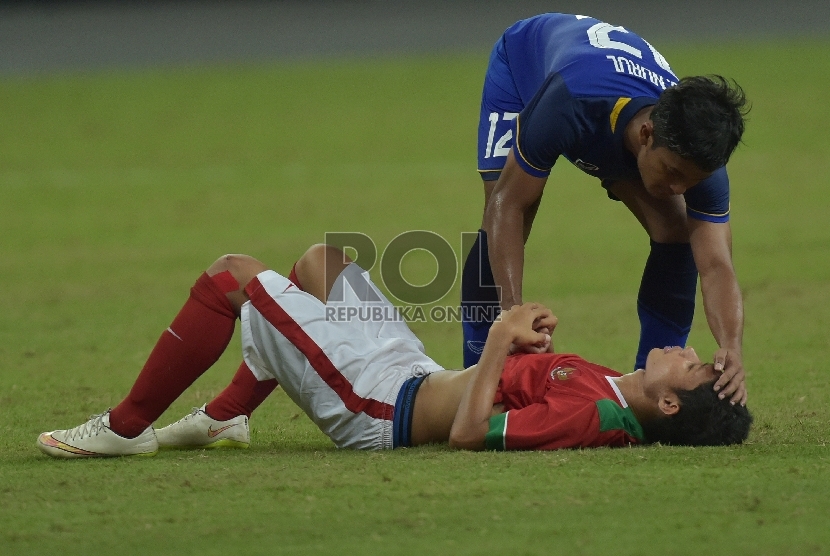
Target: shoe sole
column 224, row 443
column 65, row 451
column 60, row 453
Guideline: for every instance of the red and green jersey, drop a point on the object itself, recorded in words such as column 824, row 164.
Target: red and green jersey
column 555, row 401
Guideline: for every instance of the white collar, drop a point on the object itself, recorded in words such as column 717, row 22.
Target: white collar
column 613, row 384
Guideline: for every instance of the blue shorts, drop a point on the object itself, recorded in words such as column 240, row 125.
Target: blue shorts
column 404, row 411
column 500, row 104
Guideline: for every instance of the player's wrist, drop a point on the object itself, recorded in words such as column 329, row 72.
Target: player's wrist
column 509, row 301
column 501, row 334
column 732, row 348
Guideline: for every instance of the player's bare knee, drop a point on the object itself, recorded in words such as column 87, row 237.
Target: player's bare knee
column 242, row 267
column 319, row 259
column 315, row 255
column 318, row 268
column 306, row 265
column 670, row 233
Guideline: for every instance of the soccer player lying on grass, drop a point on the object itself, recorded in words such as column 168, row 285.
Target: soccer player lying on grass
column 369, row 385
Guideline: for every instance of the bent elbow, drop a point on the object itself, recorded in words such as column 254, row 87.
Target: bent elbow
column 463, row 440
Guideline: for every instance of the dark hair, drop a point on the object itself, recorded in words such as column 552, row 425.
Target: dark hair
column 703, row 420
column 701, row 119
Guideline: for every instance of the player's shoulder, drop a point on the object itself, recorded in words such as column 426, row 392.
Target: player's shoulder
column 618, row 420
column 560, row 26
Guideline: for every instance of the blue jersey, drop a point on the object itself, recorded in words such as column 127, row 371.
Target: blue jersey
column 567, row 85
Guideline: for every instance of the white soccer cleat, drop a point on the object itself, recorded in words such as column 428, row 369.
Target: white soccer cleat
column 200, row 430
column 95, row 438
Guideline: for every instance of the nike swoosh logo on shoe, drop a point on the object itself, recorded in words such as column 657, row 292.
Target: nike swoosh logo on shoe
column 52, row 442
column 212, row 433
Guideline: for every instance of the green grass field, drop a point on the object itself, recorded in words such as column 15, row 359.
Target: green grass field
column 118, row 189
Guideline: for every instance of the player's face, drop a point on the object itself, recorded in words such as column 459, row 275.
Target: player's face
column 666, row 173
column 675, row 368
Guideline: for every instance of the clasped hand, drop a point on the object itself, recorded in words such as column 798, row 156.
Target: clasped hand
column 528, row 327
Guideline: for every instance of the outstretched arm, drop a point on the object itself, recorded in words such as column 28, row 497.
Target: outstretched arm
column 517, row 326
column 508, row 218
column 722, row 302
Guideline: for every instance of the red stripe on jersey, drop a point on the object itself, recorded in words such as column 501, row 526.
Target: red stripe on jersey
column 288, row 327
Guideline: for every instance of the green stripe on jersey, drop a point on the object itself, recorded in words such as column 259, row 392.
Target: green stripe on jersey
column 494, row 439
column 614, row 417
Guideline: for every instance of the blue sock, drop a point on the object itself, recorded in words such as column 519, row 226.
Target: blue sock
column 475, row 336
column 666, row 301
column 479, row 300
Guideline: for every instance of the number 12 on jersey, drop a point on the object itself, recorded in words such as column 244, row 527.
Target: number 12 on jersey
column 499, row 149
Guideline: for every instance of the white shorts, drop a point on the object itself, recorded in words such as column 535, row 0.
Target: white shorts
column 343, row 362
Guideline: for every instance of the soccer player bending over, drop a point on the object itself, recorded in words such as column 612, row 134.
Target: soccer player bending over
column 574, row 88
column 369, row 385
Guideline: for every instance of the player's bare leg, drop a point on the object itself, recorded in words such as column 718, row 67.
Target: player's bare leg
column 186, row 349
column 228, row 413
column 318, row 269
column 666, row 300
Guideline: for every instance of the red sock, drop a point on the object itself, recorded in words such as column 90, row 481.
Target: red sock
column 245, row 393
column 242, row 396
column 193, row 342
column 293, row 277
